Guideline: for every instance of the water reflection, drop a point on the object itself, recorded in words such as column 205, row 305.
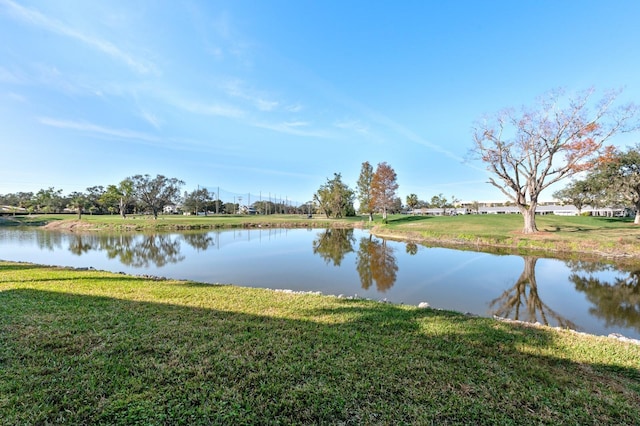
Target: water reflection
column 79, row 245
column 199, row 241
column 158, row 249
column 138, row 251
column 522, row 301
column 376, row 262
column 333, row 244
column 617, row 302
column 411, row 248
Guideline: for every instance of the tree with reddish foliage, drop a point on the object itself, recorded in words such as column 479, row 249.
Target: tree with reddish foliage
column 536, row 147
column 383, row 188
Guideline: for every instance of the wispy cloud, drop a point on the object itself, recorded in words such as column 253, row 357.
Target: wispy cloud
column 99, row 130
column 207, row 108
column 294, row 108
column 150, row 118
column 236, row 89
column 355, row 125
column 17, row 97
column 36, row 18
column 7, row 76
column 178, row 144
column 298, row 128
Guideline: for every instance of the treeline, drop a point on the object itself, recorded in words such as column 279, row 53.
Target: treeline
column 375, row 192
column 139, row 194
column 135, row 194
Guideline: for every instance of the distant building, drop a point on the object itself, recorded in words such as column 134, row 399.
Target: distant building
column 542, row 209
column 170, row 209
column 247, row 210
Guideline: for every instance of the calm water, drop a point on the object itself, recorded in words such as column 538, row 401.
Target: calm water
column 591, row 297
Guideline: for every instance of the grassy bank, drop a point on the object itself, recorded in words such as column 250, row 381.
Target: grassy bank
column 172, row 222
column 562, row 236
column 81, row 347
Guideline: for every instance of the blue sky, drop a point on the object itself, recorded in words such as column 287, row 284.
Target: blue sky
column 275, row 96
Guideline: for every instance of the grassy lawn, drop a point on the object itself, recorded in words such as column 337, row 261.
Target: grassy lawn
column 80, row 347
column 613, row 237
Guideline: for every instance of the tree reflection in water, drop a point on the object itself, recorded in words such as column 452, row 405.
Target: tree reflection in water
column 616, row 302
column 522, row 302
column 144, row 250
column 411, row 248
column 200, row 241
column 81, row 244
column 375, row 262
column 132, row 250
column 333, row 244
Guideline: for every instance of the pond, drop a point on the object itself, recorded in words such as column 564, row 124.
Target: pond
column 591, row 297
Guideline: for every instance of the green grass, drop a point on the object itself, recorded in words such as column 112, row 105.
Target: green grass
column 559, row 235
column 173, row 222
column 79, row 347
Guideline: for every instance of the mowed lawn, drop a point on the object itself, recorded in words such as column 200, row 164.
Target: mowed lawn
column 613, row 237
column 91, row 347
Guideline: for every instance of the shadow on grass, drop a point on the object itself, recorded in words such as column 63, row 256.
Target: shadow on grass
column 72, row 358
column 408, row 219
column 16, row 266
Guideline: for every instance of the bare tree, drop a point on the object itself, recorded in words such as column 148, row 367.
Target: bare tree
column 530, row 150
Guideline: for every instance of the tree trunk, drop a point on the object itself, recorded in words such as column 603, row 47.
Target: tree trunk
column 636, row 221
column 123, row 207
column 529, row 215
column 370, row 216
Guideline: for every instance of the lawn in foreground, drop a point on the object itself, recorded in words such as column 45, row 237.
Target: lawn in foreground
column 96, row 347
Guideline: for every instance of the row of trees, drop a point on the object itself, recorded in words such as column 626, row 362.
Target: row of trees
column 375, row 192
column 140, row 193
